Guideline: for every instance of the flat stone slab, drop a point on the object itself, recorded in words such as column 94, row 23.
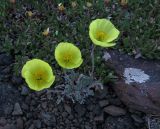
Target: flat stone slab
column 138, row 85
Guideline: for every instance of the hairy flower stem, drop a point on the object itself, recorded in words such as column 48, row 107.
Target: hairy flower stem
column 92, row 58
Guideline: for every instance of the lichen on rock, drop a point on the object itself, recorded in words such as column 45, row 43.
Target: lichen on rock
column 135, row 75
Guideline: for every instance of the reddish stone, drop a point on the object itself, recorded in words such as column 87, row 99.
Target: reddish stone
column 144, row 96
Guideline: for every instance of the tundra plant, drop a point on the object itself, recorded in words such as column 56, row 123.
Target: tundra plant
column 77, row 87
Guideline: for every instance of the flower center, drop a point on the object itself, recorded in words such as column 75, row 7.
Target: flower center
column 100, row 35
column 67, row 58
column 39, row 75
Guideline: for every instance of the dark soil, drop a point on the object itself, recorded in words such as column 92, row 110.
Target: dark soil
column 21, row 108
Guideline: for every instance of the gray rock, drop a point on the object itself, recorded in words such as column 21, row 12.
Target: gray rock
column 6, row 70
column 154, row 122
column 17, row 80
column 90, row 107
column 60, row 107
column 3, row 121
column 31, row 127
column 115, row 101
column 97, row 110
column 44, row 105
column 8, row 110
column 122, row 122
column 67, row 122
column 28, row 100
column 65, row 114
column 67, row 108
column 80, row 109
column 40, row 93
column 9, row 126
column 88, row 126
column 70, row 117
column 17, row 110
column 102, row 93
column 29, row 115
column 103, row 103
column 25, row 106
column 114, row 111
column 24, row 90
column 137, row 119
column 133, row 111
column 138, row 55
column 19, row 123
column 48, row 118
column 49, row 96
column 38, row 124
column 33, row 103
column 28, row 123
column 99, row 118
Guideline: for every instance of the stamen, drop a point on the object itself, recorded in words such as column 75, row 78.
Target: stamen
column 100, row 35
column 67, row 58
column 39, row 75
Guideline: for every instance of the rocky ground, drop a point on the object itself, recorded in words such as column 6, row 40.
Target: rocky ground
column 21, row 108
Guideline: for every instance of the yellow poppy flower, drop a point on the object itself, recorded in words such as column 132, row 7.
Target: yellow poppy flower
column 38, row 74
column 102, row 32
column 68, row 55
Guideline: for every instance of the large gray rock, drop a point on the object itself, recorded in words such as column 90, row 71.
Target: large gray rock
column 138, row 85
